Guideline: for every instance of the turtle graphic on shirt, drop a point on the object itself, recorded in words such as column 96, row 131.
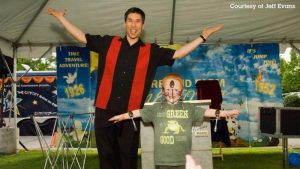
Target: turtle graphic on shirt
column 174, row 127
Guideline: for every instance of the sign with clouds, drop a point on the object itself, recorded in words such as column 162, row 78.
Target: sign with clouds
column 73, row 82
column 249, row 78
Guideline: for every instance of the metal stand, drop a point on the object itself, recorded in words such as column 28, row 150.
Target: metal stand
column 285, row 151
column 66, row 155
column 25, row 148
column 280, row 122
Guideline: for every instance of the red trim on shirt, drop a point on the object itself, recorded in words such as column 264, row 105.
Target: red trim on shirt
column 139, row 79
column 108, row 74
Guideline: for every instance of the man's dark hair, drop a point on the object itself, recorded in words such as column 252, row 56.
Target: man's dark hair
column 134, row 10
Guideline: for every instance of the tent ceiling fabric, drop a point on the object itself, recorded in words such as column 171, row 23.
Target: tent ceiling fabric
column 106, row 17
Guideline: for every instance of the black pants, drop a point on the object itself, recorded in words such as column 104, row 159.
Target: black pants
column 117, row 143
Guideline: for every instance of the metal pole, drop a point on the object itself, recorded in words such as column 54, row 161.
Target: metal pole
column 14, row 89
column 172, row 23
column 285, row 153
column 294, row 47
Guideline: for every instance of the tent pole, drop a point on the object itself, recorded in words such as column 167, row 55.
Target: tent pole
column 172, row 23
column 49, row 44
column 14, row 89
column 294, row 47
column 4, row 39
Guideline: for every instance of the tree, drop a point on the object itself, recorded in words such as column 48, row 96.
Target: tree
column 290, row 73
column 37, row 65
column 291, row 101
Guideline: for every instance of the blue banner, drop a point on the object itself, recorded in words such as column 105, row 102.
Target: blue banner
column 36, row 94
column 73, row 82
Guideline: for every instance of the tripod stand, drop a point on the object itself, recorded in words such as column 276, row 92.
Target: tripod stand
column 67, row 155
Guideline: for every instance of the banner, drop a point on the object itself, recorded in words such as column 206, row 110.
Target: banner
column 73, row 83
column 248, row 76
column 36, row 94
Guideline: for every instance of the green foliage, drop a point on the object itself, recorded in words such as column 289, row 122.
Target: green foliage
column 291, row 101
column 290, row 73
column 37, row 65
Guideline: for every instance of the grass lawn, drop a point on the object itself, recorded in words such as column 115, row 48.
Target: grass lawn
column 251, row 158
column 234, row 158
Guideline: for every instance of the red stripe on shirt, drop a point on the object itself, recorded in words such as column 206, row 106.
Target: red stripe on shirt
column 108, row 74
column 139, row 79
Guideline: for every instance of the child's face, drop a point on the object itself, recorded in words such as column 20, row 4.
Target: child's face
column 172, row 90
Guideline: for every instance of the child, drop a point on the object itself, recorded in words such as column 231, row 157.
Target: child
column 172, row 121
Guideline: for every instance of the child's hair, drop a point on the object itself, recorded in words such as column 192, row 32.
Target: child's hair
column 173, row 76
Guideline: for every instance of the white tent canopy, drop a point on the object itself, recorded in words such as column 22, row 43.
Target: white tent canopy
column 26, row 27
column 26, row 30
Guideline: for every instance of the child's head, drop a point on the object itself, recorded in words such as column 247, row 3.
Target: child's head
column 172, row 86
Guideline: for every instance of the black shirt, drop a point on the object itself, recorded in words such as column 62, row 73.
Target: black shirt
column 125, row 68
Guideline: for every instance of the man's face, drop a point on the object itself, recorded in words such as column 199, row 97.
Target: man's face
column 172, row 90
column 134, row 26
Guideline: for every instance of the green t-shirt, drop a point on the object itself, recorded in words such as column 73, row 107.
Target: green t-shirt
column 172, row 130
